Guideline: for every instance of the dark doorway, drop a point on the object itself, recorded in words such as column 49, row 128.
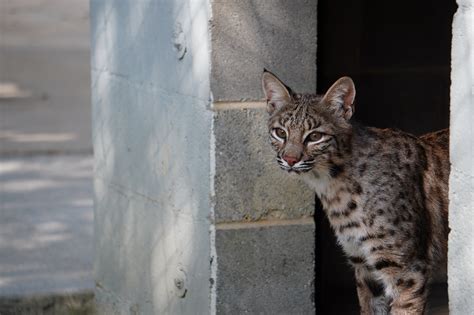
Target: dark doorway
column 398, row 54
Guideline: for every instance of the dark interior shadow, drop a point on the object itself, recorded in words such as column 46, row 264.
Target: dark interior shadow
column 399, row 55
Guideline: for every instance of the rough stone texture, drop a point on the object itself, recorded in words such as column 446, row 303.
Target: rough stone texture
column 249, row 184
column 461, row 182
column 151, row 135
column 249, row 35
column 274, row 276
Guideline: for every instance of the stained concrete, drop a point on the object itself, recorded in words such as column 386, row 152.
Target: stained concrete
column 249, row 183
column 249, row 35
column 266, row 269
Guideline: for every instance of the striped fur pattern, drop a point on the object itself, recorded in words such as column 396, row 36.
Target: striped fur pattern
column 384, row 191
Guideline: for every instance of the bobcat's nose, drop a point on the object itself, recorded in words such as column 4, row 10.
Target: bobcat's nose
column 291, row 160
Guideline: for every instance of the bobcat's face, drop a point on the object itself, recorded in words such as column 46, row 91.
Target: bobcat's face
column 301, row 138
column 306, row 130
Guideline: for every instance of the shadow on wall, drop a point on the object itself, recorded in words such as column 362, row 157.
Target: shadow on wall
column 151, row 134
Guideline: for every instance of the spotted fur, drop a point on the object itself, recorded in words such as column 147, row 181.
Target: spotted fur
column 383, row 190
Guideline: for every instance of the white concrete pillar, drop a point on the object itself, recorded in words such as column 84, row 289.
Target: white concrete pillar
column 151, row 134
column 461, row 182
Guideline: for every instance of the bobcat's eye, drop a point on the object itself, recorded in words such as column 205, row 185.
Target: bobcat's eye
column 314, row 137
column 280, row 133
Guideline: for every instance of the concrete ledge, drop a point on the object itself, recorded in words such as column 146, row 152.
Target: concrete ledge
column 224, row 105
column 266, row 270
column 74, row 303
column 263, row 223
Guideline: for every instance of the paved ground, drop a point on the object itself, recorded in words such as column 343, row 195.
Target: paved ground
column 46, row 217
column 44, row 54
column 56, row 118
column 46, row 225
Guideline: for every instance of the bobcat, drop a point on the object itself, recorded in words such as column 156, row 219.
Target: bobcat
column 385, row 192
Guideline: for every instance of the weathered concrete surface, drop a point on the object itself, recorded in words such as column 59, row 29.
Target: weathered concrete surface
column 461, row 181
column 265, row 269
column 46, row 225
column 44, row 52
column 249, row 184
column 151, row 134
column 248, row 35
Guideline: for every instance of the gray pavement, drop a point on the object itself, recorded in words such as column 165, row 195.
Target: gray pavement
column 44, row 53
column 56, row 117
column 46, row 212
column 46, row 225
column 45, row 23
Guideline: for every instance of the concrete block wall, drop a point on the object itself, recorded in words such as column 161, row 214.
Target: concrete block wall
column 264, row 227
column 192, row 213
column 266, row 269
column 248, row 35
column 461, row 182
column 151, row 130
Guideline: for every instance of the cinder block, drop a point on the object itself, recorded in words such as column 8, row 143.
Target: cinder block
column 266, row 270
column 248, row 35
column 249, row 185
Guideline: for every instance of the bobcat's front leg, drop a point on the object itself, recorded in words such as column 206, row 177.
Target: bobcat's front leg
column 371, row 293
column 365, row 297
column 411, row 293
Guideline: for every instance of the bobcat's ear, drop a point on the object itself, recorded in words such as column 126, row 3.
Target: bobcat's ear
column 340, row 97
column 276, row 93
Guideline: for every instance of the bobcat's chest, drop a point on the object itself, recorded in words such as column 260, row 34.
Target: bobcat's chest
column 319, row 183
column 343, row 210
